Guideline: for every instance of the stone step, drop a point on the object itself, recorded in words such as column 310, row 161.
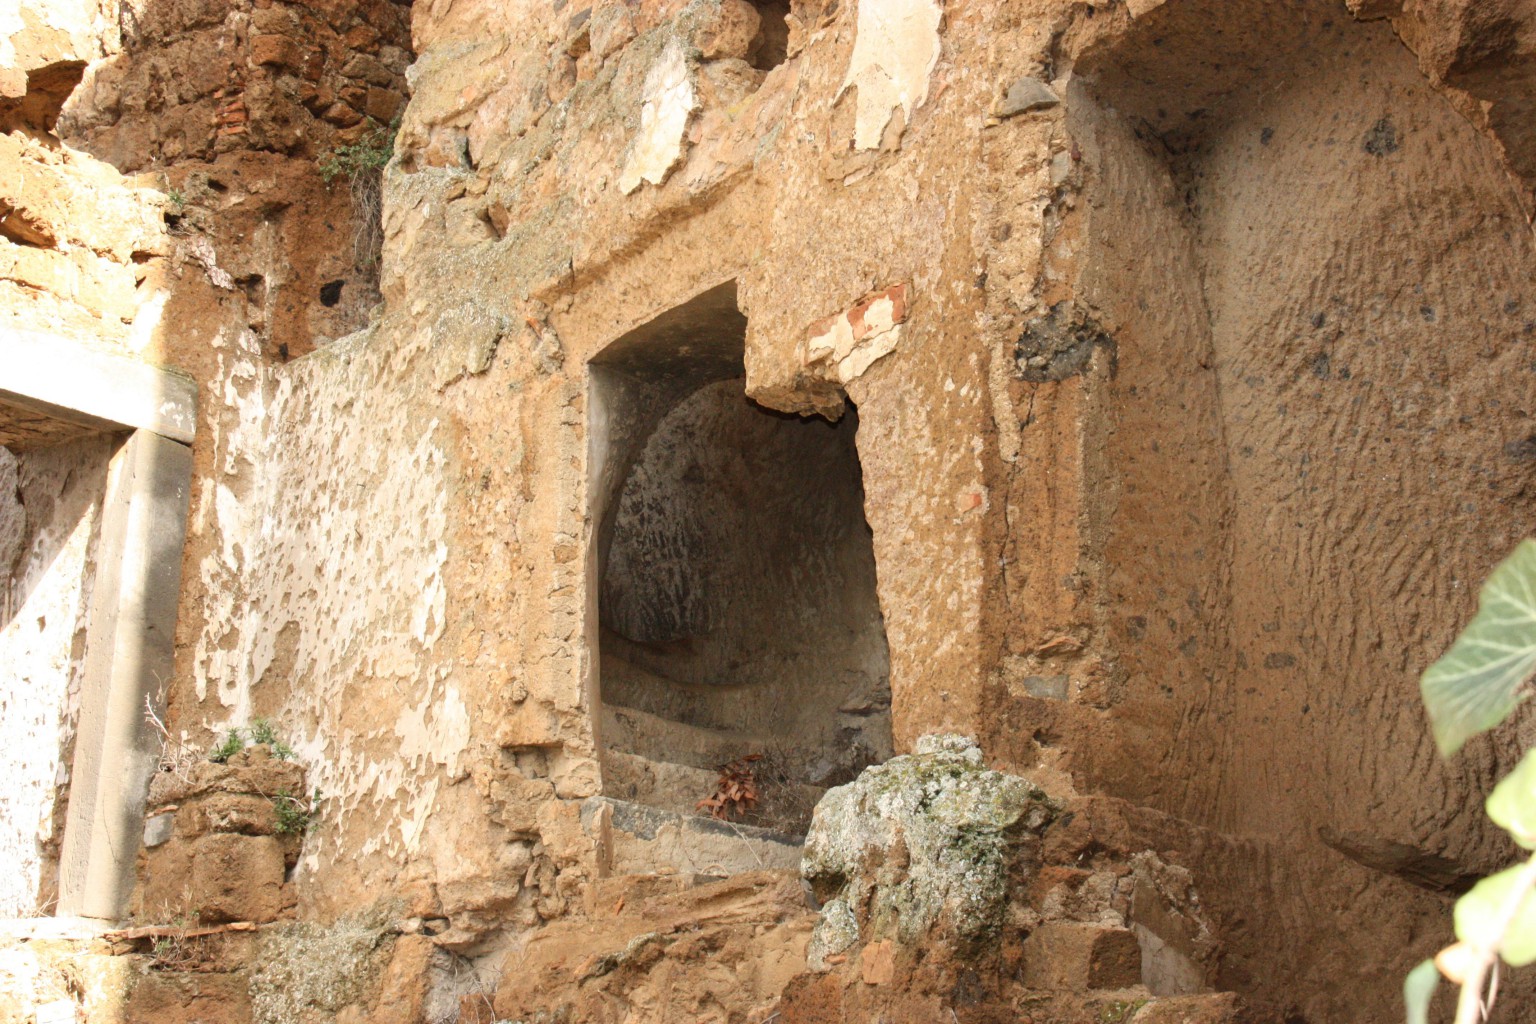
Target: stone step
column 781, row 807
column 659, row 739
column 1136, row 1006
column 1074, row 956
column 633, row 839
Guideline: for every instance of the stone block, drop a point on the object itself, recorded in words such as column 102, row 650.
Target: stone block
column 1025, row 95
column 363, row 68
column 729, row 31
column 104, row 288
column 235, row 813
column 237, row 878
column 278, row 50
column 1074, row 957
column 158, row 829
column 611, row 27
column 173, row 997
column 242, row 774
column 382, row 104
column 920, row 847
column 165, row 883
column 877, row 964
column 1208, row 1008
column 404, row 987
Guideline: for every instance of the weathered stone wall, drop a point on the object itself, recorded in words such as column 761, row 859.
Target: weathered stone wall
column 1187, row 342
column 1136, row 277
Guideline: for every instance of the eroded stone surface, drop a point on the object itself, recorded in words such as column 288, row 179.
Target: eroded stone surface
column 1136, row 561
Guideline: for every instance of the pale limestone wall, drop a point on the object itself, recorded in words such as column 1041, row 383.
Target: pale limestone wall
column 50, row 500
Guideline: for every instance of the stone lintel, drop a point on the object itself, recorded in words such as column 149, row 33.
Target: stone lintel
column 63, row 380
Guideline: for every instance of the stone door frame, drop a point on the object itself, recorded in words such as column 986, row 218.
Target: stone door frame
column 51, row 383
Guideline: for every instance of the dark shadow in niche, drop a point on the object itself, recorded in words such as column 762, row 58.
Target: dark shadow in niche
column 770, row 47
column 735, row 577
column 330, row 293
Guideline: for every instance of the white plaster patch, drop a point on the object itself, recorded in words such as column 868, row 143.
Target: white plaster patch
column 669, row 101
column 894, row 54
column 441, row 736
column 146, row 322
column 342, row 586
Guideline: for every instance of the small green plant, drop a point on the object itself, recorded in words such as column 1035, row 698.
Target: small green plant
column 174, row 197
column 262, row 731
column 361, row 158
column 176, row 951
column 360, row 163
column 232, row 744
column 1472, row 688
column 295, row 816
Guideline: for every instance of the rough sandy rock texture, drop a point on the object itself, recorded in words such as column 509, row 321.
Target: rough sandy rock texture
column 215, row 847
column 1208, row 411
column 1479, row 53
column 658, row 948
column 949, row 887
column 75, row 235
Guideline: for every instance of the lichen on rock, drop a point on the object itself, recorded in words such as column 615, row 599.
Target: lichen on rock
column 920, row 846
column 308, row 968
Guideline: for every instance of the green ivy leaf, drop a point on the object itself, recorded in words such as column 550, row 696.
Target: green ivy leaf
column 1512, row 804
column 1479, row 911
column 1475, row 685
column 1418, row 989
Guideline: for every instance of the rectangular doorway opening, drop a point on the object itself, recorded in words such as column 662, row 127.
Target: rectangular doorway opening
column 734, row 580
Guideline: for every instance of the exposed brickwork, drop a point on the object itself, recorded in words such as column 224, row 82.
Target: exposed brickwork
column 213, row 78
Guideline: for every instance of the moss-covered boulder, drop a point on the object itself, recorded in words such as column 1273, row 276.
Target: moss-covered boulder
column 924, row 846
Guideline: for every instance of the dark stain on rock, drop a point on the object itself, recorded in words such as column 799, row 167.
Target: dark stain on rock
column 1322, row 366
column 1523, row 450
column 1382, row 138
column 1060, row 344
column 1279, row 660
column 1418, row 867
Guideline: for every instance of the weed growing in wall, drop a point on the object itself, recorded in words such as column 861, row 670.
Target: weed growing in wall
column 367, row 155
column 1472, row 688
column 295, row 815
column 262, row 731
column 176, row 951
column 362, row 164
column 232, row 744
